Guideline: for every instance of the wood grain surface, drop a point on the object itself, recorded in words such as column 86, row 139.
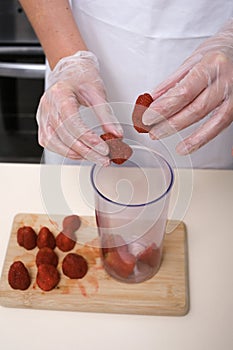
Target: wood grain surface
column 167, row 293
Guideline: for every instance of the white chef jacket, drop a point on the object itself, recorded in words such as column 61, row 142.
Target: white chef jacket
column 139, row 44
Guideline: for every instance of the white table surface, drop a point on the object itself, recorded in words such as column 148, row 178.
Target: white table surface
column 209, row 323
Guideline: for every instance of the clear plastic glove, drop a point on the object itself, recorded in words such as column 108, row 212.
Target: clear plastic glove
column 75, row 81
column 202, row 85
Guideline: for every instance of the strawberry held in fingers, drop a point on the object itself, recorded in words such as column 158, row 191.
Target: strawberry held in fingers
column 119, row 151
column 142, row 103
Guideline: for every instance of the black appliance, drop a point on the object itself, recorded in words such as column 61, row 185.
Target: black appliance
column 22, row 70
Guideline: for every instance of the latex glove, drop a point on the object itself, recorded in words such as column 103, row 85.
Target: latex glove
column 203, row 84
column 75, row 81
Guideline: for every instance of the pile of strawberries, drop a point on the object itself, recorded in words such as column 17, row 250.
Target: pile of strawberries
column 48, row 277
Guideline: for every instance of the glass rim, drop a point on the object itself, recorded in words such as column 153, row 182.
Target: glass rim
column 141, row 204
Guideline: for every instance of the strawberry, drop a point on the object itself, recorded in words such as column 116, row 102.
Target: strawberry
column 119, row 150
column 65, row 243
column 26, row 237
column 47, row 277
column 108, row 136
column 18, row 276
column 45, row 238
column 122, row 263
column 142, row 103
column 144, row 100
column 150, row 256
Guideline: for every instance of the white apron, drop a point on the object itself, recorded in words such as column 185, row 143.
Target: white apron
column 139, row 43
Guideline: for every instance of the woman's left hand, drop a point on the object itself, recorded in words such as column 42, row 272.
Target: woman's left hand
column 202, row 85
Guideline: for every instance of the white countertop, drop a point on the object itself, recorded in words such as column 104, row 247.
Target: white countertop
column 209, row 323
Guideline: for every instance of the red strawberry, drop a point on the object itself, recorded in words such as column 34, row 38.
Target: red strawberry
column 151, row 255
column 108, row 136
column 142, row 103
column 26, row 237
column 47, row 277
column 144, row 100
column 119, row 150
column 45, row 238
column 65, row 243
column 18, row 276
column 122, row 263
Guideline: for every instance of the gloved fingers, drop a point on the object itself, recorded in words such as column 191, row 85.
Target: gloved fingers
column 108, row 119
column 177, row 76
column 221, row 118
column 59, row 108
column 52, row 142
column 88, row 153
column 53, row 133
column 69, row 147
column 73, row 128
column 179, row 96
column 202, row 105
column 64, row 104
column 95, row 98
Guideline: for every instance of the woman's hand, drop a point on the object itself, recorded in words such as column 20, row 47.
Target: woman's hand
column 202, row 85
column 75, row 81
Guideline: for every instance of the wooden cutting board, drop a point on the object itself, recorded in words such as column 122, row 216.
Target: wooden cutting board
column 164, row 294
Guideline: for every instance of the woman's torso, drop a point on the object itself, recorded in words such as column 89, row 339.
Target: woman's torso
column 139, row 43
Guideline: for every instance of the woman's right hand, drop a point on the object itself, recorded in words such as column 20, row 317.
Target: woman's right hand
column 75, row 81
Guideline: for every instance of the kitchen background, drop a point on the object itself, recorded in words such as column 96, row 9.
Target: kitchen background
column 22, row 71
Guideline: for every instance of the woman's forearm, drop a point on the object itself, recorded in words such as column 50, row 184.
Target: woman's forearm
column 55, row 27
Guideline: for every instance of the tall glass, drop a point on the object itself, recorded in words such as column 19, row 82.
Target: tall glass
column 131, row 204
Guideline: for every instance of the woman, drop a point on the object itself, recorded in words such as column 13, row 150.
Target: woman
column 102, row 51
